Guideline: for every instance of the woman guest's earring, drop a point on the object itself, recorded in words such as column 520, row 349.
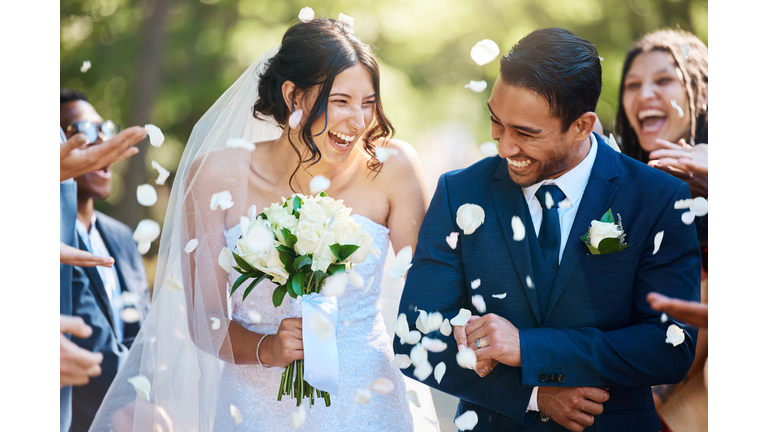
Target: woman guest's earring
column 295, row 118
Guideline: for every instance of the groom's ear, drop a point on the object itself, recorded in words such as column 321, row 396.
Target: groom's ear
column 583, row 126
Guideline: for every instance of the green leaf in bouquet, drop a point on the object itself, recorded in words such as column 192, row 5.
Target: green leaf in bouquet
column 287, row 260
column 284, row 248
column 336, row 268
column 301, row 262
column 323, row 194
column 262, row 216
column 297, row 203
column 290, row 239
column 253, row 285
column 278, row 295
column 243, row 264
column 297, row 283
column 608, row 217
column 343, row 252
column 320, row 277
column 610, row 245
column 239, row 282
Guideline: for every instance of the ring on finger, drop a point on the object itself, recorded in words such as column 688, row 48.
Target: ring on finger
column 477, row 343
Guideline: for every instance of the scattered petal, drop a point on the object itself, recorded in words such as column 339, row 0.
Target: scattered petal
column 298, row 417
column 477, row 86
column 687, row 217
column 685, row 49
column 422, row 371
column 452, row 240
column 255, row 317
column 130, row 298
column 612, row 142
column 664, row 317
column 700, row 206
column 479, row 303
column 162, row 173
column 469, row 217
column 382, row 386
column 401, row 361
column 601, row 59
column 401, row 327
column 466, row 421
column 657, row 241
column 413, row 337
column 402, row 263
column 346, row 19
column 383, row 154
column 439, row 372
column 143, row 247
column 142, row 386
column 156, row 137
column 130, row 315
column 445, row 328
column 484, row 52
column 564, row 204
column 475, row 284
column 489, row 148
column 679, row 110
column 86, row 65
column 683, row 204
column 252, row 212
column 518, row 229
column 146, row 195
column 240, row 143
column 433, row 345
column 462, row 317
column 295, row 118
column 245, row 225
column 675, row 335
column 362, row 396
column 222, row 200
column 356, row 280
column 368, row 286
column 466, row 358
column 529, row 282
column 306, row 15
column 418, row 354
column 413, row 397
column 319, row 184
column 434, row 320
column 215, row 324
column 421, row 322
column 322, row 325
column 173, row 284
column 236, row 414
column 499, row 296
column 376, row 252
column 548, row 200
column 335, row 285
column 225, row 259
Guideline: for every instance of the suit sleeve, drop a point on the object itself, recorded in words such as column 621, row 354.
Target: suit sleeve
column 634, row 356
column 436, row 282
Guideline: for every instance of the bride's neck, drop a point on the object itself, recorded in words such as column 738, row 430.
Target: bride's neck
column 284, row 162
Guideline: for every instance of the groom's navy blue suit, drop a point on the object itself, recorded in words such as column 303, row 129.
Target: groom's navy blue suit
column 598, row 330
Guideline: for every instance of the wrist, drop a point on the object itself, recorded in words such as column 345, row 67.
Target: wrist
column 264, row 351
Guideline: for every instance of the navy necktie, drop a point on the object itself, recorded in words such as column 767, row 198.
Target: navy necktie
column 549, row 233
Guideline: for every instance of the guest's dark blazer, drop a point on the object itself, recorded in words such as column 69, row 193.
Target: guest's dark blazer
column 598, row 329
column 130, row 272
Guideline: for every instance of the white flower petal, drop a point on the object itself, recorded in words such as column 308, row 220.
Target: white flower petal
column 146, row 195
column 462, row 317
column 215, row 323
column 479, row 303
column 335, row 285
column 700, row 206
column 434, row 320
column 475, row 284
column 225, row 259
column 664, row 317
column 401, row 326
column 382, row 386
column 439, row 372
column 142, row 386
column 445, row 328
column 252, row 212
column 499, row 296
column 295, row 118
column 402, row 262
column 687, row 217
column 130, row 315
column 529, row 282
column 675, row 335
column 421, row 322
column 489, row 148
column 422, row 371
column 383, row 154
column 433, row 345
column 548, row 200
column 466, row 358
column 466, row 421
column 362, row 396
column 162, row 173
column 319, row 184
column 236, row 414
column 452, row 240
column 413, row 337
column 245, row 224
column 173, row 284
column 306, row 14
column 564, row 204
column 657, row 241
column 254, row 316
column 356, row 280
column 86, row 65
column 469, row 217
column 322, row 325
column 368, row 285
column 298, row 417
column 518, row 228
column 612, row 142
column 401, row 361
column 240, row 143
column 601, row 59
column 683, row 204
column 156, row 137
column 477, row 86
column 685, row 49
column 222, row 199
column 130, row 298
column 376, row 252
column 346, row 19
column 677, row 107
column 143, row 247
column 484, row 52
column 418, row 354
column 413, row 397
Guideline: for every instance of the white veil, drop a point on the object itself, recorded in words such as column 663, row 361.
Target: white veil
column 179, row 353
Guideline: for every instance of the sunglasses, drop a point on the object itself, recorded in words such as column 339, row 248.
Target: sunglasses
column 91, row 130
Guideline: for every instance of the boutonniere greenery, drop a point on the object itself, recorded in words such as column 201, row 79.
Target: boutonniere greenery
column 605, row 236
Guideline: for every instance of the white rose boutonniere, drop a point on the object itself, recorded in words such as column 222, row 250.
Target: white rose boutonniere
column 605, row 236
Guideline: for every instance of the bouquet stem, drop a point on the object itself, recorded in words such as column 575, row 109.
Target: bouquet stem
column 293, row 384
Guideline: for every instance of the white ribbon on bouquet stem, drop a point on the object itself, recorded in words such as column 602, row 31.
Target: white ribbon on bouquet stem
column 321, row 357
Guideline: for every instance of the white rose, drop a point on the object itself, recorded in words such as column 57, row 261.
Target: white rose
column 362, row 239
column 323, row 257
column 256, row 243
column 346, row 227
column 308, row 235
column 330, row 205
column 469, row 217
column 602, row 230
column 269, row 263
column 312, row 211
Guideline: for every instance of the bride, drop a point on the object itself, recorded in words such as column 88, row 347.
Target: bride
column 206, row 361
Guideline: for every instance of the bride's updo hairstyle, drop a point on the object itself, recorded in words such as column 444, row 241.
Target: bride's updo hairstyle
column 313, row 54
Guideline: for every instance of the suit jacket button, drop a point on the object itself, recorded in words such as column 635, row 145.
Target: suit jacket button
column 544, row 418
column 560, row 378
column 542, row 377
column 551, row 378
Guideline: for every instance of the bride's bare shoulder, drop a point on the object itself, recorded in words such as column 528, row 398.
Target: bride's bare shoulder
column 401, row 161
column 222, row 165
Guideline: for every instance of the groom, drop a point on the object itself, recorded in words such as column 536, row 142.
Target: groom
column 567, row 339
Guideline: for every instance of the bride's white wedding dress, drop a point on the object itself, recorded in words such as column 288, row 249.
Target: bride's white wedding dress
column 365, row 353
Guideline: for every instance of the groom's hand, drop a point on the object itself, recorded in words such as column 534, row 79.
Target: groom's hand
column 574, row 408
column 496, row 338
column 483, row 367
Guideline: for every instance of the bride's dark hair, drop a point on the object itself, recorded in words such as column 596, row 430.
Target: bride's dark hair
column 313, row 54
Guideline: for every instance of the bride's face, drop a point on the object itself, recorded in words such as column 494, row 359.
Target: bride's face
column 351, row 105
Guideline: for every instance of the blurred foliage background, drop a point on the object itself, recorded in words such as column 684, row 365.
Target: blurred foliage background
column 166, row 61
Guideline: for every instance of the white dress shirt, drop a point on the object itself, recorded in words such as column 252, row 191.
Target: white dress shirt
column 572, row 183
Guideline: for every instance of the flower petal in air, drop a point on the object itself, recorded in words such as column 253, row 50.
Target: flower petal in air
column 439, row 372
column 142, row 386
column 418, row 354
column 130, row 315
column 191, row 245
column 489, row 148
column 376, row 252
column 402, row 263
column 356, row 280
column 368, row 285
column 173, row 284
column 452, row 240
column 413, row 337
column 401, row 327
column 252, row 212
column 466, row 358
column 222, row 199
column 484, row 52
column 321, row 325
column 529, row 282
column 687, row 217
column 298, row 417
column 475, row 284
column 156, row 137
column 295, row 118
column 382, row 386
column 675, row 335
column 401, row 361
column 306, row 14
column 657, row 241
column 245, row 225
column 700, row 206
column 421, row 322
column 462, row 317
column 445, row 328
column 434, row 319
column 683, row 204
column 413, row 397
column 685, row 49
column 255, row 317
column 143, row 247
column 433, row 345
column 240, row 143
column 146, row 195
column 225, row 259
column 466, row 421
column 564, row 204
column 236, row 414
column 346, row 19
column 215, row 323
column 335, row 285
column 469, row 217
column 422, row 371
column 612, row 142
column 479, row 303
column 362, row 396
column 318, row 184
column 162, row 173
column 548, row 200
column 383, row 154
column 130, row 298
column 86, row 65
column 664, row 317
column 477, row 86
column 518, row 228
column 499, row 296
column 677, row 107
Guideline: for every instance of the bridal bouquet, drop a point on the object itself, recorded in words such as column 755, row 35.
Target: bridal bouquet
column 298, row 244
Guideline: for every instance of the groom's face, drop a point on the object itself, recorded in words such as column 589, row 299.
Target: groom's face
column 530, row 138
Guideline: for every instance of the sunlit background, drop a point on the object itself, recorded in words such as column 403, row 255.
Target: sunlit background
column 166, row 61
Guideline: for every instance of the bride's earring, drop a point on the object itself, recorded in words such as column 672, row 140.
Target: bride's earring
column 295, row 118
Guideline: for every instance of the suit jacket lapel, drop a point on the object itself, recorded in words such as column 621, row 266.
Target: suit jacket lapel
column 594, row 203
column 508, row 200
column 98, row 287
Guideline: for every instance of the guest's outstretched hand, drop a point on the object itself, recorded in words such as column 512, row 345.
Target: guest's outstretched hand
column 692, row 313
column 80, row 258
column 76, row 364
column 682, row 156
column 77, row 158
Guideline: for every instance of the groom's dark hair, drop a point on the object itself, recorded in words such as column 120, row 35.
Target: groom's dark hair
column 561, row 67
